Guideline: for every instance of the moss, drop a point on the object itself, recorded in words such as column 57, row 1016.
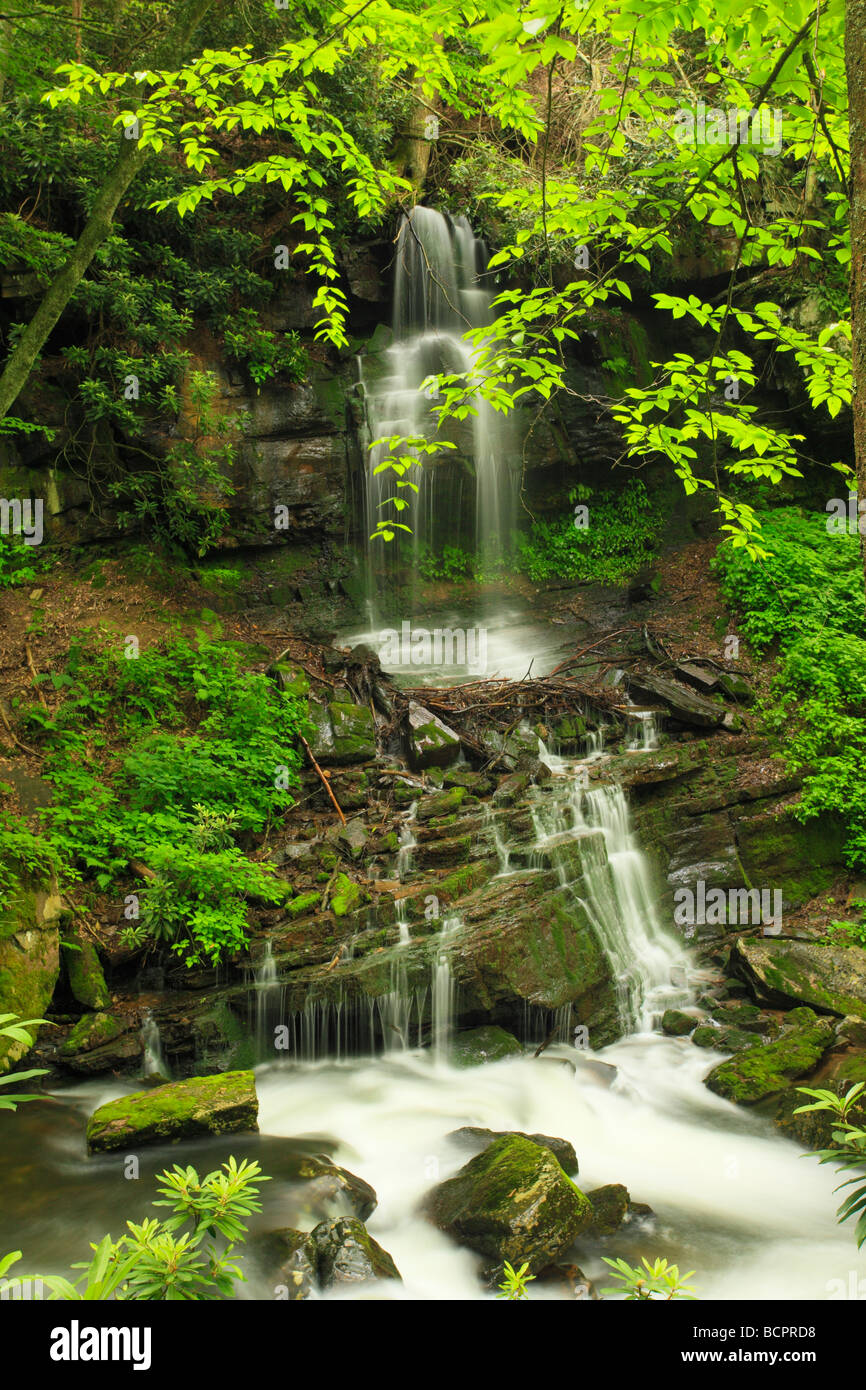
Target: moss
column 179, row 1110
column 303, row 903
column 767, row 1069
column 487, row 1044
column 346, row 896
column 84, row 972
column 94, row 1030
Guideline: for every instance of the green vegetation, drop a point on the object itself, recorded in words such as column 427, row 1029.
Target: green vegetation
column 804, row 603
column 851, row 1156
column 649, row 1282
column 160, row 764
column 187, row 1256
column 17, row 1031
column 514, row 1281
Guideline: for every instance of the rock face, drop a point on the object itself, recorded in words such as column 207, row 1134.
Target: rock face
column 513, row 1202
column 179, row 1110
column 29, row 959
column 346, row 1253
column 84, row 972
column 803, row 972
column 769, row 1068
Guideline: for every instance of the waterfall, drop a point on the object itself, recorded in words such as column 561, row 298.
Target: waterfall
column 644, row 734
column 407, row 843
column 443, row 989
column 268, row 991
column 438, row 297
column 648, row 965
column 153, row 1061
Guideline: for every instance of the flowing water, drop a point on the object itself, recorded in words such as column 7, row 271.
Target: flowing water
column 732, row 1199
column 440, row 295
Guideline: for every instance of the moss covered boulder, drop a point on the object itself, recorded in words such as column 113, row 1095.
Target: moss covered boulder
column 84, row 973
column 478, row 1138
column 430, row 742
column 512, row 1202
column 346, row 895
column 179, row 1110
column 610, row 1206
column 487, row 1044
column 95, row 1031
column 677, row 1024
column 826, row 977
column 353, row 734
column 346, row 1253
column 769, row 1068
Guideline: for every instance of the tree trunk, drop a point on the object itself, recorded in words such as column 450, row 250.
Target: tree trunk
column 855, row 64
column 132, row 158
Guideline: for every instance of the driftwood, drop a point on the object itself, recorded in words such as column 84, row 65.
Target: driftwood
column 325, row 783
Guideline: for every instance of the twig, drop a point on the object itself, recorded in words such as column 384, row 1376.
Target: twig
column 325, row 782
column 14, row 737
column 34, row 673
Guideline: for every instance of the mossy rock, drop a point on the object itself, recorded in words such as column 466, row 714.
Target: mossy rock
column 486, row 1044
column 84, row 973
column 442, row 804
column 346, row 895
column 830, row 978
column 303, row 903
column 91, row 1031
column 512, row 1202
column 346, row 1253
column 561, row 1149
column 677, row 1024
column 705, row 1035
column 292, row 680
column 29, row 960
column 224, row 1104
column 353, row 732
column 766, row 1070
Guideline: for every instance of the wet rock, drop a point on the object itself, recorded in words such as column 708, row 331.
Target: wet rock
column 561, row 1149
column 290, row 1261
column 769, row 1068
column 222, row 1104
column 571, row 1278
column 783, row 971
column 487, row 1044
column 511, row 789
column 346, row 1253
column 682, row 704
column 92, row 1031
column 430, row 742
column 512, row 1202
column 329, row 1188
column 853, row 1030
column 610, row 1205
column 677, row 1024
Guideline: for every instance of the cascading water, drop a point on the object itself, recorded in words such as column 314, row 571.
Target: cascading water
column 443, row 989
column 644, row 733
column 438, row 297
column 153, row 1060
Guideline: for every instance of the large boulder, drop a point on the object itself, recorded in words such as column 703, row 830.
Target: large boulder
column 512, row 1202
column 84, row 972
column 179, row 1110
column 769, row 1068
column 831, row 978
column 346, row 1253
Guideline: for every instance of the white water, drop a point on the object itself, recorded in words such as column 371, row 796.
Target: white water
column 153, row 1060
column 438, row 297
column 644, row 733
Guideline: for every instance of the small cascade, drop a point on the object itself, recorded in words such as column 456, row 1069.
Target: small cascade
column 443, row 989
column 494, row 830
column 401, row 914
column 268, row 993
column 644, row 733
column 650, row 968
column 438, row 297
column 407, row 843
column 153, row 1061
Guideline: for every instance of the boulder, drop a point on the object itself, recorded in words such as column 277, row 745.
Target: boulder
column 486, row 1044
column 346, row 1253
column 682, row 704
column 354, row 734
column 289, row 1259
column 561, row 1149
column 512, row 1202
column 329, row 1188
column 94, row 1031
column 430, row 742
column 610, row 1206
column 440, row 804
column 84, row 972
column 829, row 978
column 222, row 1104
column 677, row 1024
column 769, row 1068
